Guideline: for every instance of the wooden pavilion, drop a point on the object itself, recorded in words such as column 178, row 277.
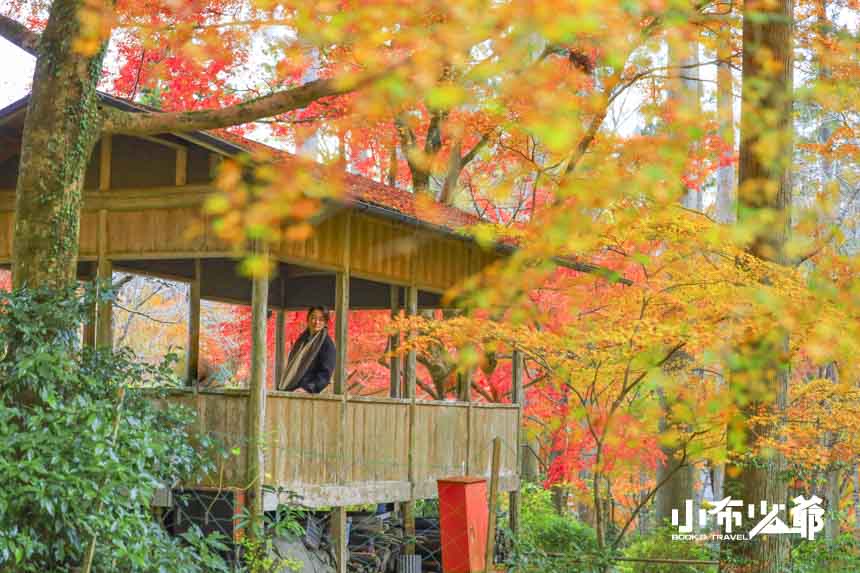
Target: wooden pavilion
column 374, row 251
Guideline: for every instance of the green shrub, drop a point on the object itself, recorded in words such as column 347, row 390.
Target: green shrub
column 82, row 449
column 551, row 543
column 659, row 545
column 819, row 556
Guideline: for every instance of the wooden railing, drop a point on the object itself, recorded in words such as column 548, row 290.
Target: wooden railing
column 336, row 450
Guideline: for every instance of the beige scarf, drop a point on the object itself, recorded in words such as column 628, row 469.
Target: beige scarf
column 300, row 360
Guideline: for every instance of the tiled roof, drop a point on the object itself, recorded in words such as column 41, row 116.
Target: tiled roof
column 366, row 190
column 387, row 200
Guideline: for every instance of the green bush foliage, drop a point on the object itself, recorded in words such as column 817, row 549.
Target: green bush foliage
column 83, row 448
column 659, row 545
column 821, row 556
column 549, row 542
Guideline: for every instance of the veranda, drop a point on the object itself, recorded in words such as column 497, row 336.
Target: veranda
column 372, row 251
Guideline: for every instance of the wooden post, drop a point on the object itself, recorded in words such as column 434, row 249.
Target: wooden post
column 104, row 273
column 411, row 356
column 104, row 270
column 89, row 337
column 394, row 344
column 341, row 302
column 338, row 534
column 105, row 151
column 464, row 386
column 410, row 380
column 193, row 369
column 494, row 495
column 181, row 166
column 280, row 345
column 517, row 398
column 341, row 325
column 257, row 402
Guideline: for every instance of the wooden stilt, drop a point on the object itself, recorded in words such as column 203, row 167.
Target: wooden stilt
column 257, row 403
column 339, row 538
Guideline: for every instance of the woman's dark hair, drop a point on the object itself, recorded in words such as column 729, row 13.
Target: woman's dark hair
column 322, row 309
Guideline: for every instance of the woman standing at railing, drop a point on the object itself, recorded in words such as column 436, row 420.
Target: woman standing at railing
column 312, row 358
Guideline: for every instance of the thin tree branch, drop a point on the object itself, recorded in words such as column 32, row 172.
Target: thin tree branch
column 19, row 34
column 148, row 123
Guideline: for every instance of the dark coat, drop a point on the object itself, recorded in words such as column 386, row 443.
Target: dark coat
column 321, row 369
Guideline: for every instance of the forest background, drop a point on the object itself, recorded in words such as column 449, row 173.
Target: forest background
column 712, row 345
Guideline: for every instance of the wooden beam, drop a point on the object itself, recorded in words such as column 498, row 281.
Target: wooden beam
column 255, row 462
column 181, row 166
column 160, row 141
column 395, row 387
column 193, row 370
column 104, row 162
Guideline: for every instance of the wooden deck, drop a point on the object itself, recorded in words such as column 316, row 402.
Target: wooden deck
column 336, row 450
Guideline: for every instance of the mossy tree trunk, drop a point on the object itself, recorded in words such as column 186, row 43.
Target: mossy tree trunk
column 65, row 120
column 60, row 131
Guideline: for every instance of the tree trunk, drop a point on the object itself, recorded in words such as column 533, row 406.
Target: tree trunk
column 855, row 480
column 725, row 115
column 677, row 489
column 677, row 472
column 62, row 126
column 764, row 194
column 685, row 93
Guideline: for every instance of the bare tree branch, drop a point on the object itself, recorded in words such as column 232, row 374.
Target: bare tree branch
column 19, row 34
column 148, row 123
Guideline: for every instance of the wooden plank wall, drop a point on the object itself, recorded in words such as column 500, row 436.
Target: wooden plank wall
column 149, row 218
column 303, row 454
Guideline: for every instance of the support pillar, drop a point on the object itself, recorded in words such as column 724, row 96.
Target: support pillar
column 193, row 366
column 339, row 539
column 395, row 388
column 104, row 273
column 255, row 463
column 280, row 345
column 408, row 507
column 341, row 325
column 341, row 301
column 517, row 397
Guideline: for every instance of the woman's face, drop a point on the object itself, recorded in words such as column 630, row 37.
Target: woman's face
column 316, row 321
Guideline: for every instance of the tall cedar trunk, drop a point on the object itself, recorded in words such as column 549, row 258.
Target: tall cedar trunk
column 764, row 195
column 685, row 91
column 676, row 474
column 60, row 131
column 725, row 115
